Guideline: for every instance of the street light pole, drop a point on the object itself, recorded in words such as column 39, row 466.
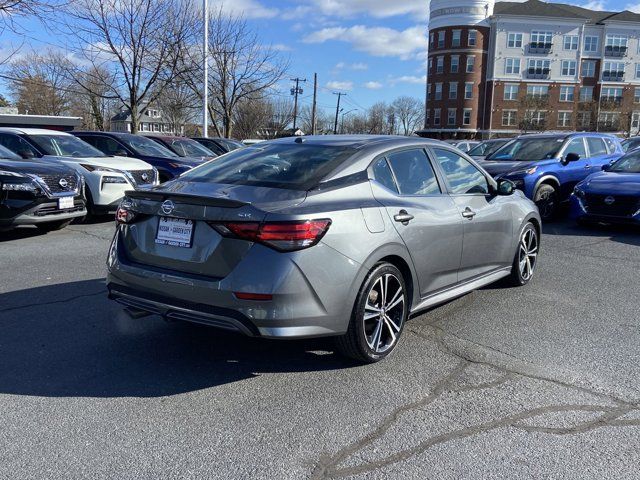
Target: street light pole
column 205, row 50
column 342, row 121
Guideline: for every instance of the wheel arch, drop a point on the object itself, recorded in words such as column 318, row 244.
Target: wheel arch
column 546, row 180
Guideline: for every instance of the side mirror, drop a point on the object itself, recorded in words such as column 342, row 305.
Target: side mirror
column 26, row 154
column 606, row 167
column 506, row 187
column 571, row 157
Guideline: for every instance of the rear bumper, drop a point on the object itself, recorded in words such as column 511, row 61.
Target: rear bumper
column 307, row 301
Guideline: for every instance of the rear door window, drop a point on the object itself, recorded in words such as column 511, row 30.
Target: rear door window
column 463, row 177
column 611, row 146
column 413, row 172
column 597, row 146
column 576, row 145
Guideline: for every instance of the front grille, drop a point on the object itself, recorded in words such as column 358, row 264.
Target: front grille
column 622, row 206
column 53, row 183
column 143, row 177
column 54, row 210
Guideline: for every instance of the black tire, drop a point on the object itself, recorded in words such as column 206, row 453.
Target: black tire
column 546, row 198
column 53, row 226
column 383, row 333
column 525, row 248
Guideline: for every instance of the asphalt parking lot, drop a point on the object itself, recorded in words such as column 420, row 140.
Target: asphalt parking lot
column 536, row 382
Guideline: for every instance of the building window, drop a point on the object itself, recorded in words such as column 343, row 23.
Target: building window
column 514, row 40
column 611, row 94
column 586, row 94
column 431, row 39
column 609, row 120
column 427, row 117
column 455, row 63
column 468, row 90
column 451, row 116
column 429, row 66
column 511, row 92
column 544, row 38
column 471, row 61
column 613, row 71
column 466, row 116
column 635, row 120
column 570, row 42
column 441, row 39
column 591, row 43
column 512, row 66
column 156, row 127
column 636, row 95
column 436, row 116
column 440, row 65
column 564, row 119
column 509, row 118
column 538, row 91
column 472, row 38
column 566, row 93
column 438, row 93
column 428, row 91
column 588, row 68
column 616, row 41
column 637, row 70
column 584, row 119
column 538, row 68
column 568, row 68
column 455, row 41
column 537, row 117
column 453, row 90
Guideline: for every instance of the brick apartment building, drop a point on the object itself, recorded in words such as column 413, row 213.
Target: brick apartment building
column 503, row 68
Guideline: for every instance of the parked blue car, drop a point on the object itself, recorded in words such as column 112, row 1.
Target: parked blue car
column 547, row 167
column 168, row 164
column 612, row 195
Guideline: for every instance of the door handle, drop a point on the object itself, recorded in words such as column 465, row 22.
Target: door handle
column 587, row 167
column 403, row 217
column 468, row 213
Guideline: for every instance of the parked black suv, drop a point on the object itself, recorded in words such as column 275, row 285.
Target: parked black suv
column 45, row 194
column 168, row 164
column 219, row 146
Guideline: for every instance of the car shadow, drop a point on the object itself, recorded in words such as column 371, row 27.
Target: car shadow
column 627, row 234
column 20, row 233
column 70, row 340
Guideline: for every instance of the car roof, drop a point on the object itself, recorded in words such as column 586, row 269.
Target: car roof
column 358, row 141
column 32, row 131
column 566, row 135
column 167, row 137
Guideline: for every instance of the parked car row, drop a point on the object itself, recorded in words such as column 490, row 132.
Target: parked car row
column 106, row 163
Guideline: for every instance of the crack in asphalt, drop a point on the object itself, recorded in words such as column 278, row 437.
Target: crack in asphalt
column 53, row 302
column 329, row 466
column 99, row 237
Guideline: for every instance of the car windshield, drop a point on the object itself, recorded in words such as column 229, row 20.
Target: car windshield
column 145, row 146
column 630, row 144
column 185, row 147
column 485, row 148
column 630, row 163
column 529, row 149
column 65, row 146
column 293, row 167
column 231, row 144
column 8, row 154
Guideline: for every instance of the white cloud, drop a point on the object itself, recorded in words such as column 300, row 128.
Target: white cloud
column 280, row 47
column 376, row 41
column 245, row 8
column 375, row 8
column 359, row 66
column 338, row 85
column 413, row 79
column 373, row 85
column 594, row 5
column 633, row 7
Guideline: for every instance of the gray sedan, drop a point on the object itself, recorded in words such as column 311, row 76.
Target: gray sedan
column 342, row 236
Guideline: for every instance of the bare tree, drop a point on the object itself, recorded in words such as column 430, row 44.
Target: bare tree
column 533, row 113
column 178, row 105
column 38, row 83
column 139, row 42
column 410, row 113
column 241, row 69
column 324, row 120
column 251, row 118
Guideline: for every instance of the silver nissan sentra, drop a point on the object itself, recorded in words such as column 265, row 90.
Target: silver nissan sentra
column 316, row 236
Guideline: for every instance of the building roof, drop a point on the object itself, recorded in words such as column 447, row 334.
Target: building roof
column 125, row 116
column 32, row 131
column 536, row 8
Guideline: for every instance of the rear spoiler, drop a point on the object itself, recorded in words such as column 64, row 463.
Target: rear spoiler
column 185, row 198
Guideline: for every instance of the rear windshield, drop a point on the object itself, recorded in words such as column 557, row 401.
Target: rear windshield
column 146, row 146
column 630, row 163
column 289, row 166
column 485, row 148
column 186, row 147
column 529, row 149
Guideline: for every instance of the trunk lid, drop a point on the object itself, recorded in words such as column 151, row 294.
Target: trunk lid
column 202, row 204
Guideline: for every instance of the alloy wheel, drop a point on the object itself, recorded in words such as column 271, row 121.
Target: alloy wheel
column 384, row 313
column 528, row 253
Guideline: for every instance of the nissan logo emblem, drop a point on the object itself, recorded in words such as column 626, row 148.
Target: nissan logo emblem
column 167, row 207
column 145, row 177
column 609, row 200
column 63, row 183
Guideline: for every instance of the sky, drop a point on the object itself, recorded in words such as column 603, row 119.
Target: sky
column 372, row 50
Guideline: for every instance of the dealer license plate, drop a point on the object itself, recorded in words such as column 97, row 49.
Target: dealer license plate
column 65, row 203
column 176, row 232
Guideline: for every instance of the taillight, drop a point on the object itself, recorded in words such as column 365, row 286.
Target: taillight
column 124, row 215
column 283, row 236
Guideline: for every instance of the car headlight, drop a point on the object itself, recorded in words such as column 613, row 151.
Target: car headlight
column 578, row 193
column 109, row 179
column 20, row 187
column 94, row 168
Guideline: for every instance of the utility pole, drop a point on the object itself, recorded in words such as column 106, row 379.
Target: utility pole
column 205, row 49
column 335, row 125
column 295, row 92
column 314, row 106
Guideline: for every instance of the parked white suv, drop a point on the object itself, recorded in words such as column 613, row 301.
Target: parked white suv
column 106, row 177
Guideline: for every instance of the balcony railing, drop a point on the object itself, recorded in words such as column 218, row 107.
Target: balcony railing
column 540, row 97
column 613, row 75
column 538, row 73
column 615, row 51
column 611, row 101
column 540, row 47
